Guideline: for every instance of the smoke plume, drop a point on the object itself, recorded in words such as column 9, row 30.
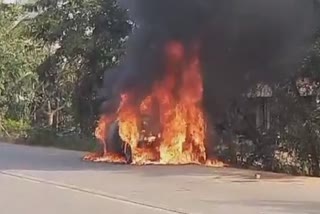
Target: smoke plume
column 242, row 42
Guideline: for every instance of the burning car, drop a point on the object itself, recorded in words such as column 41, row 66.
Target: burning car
column 167, row 126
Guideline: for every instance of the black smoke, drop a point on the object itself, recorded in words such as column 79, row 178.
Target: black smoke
column 242, row 42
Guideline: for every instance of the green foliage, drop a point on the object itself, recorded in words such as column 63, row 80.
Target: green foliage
column 49, row 137
column 13, row 129
column 14, row 126
column 19, row 57
column 86, row 37
column 52, row 64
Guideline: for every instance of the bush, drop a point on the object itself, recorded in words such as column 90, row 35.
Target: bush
column 14, row 129
column 49, row 137
column 41, row 136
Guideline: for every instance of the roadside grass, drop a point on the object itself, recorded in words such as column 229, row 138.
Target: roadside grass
column 49, row 138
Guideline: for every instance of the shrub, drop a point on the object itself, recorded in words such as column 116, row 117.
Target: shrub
column 14, row 129
column 50, row 137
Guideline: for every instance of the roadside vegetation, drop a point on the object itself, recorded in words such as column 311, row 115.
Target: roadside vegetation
column 52, row 60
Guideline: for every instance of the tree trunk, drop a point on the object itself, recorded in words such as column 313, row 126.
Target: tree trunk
column 50, row 118
column 53, row 115
column 315, row 160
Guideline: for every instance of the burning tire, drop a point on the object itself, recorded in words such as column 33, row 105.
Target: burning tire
column 127, row 153
column 116, row 145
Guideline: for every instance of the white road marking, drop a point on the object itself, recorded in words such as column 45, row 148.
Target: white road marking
column 103, row 195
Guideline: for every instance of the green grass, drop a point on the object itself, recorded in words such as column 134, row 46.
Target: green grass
column 49, row 138
column 73, row 141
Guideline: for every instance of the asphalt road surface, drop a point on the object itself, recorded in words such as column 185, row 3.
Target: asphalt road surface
column 50, row 181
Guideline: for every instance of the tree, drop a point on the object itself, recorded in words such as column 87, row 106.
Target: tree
column 19, row 56
column 86, row 37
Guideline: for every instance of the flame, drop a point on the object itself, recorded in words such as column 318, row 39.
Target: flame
column 179, row 137
column 103, row 124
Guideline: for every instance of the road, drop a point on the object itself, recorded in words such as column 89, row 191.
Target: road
column 49, row 181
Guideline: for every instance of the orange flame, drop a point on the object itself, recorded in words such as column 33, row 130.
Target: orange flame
column 179, row 113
